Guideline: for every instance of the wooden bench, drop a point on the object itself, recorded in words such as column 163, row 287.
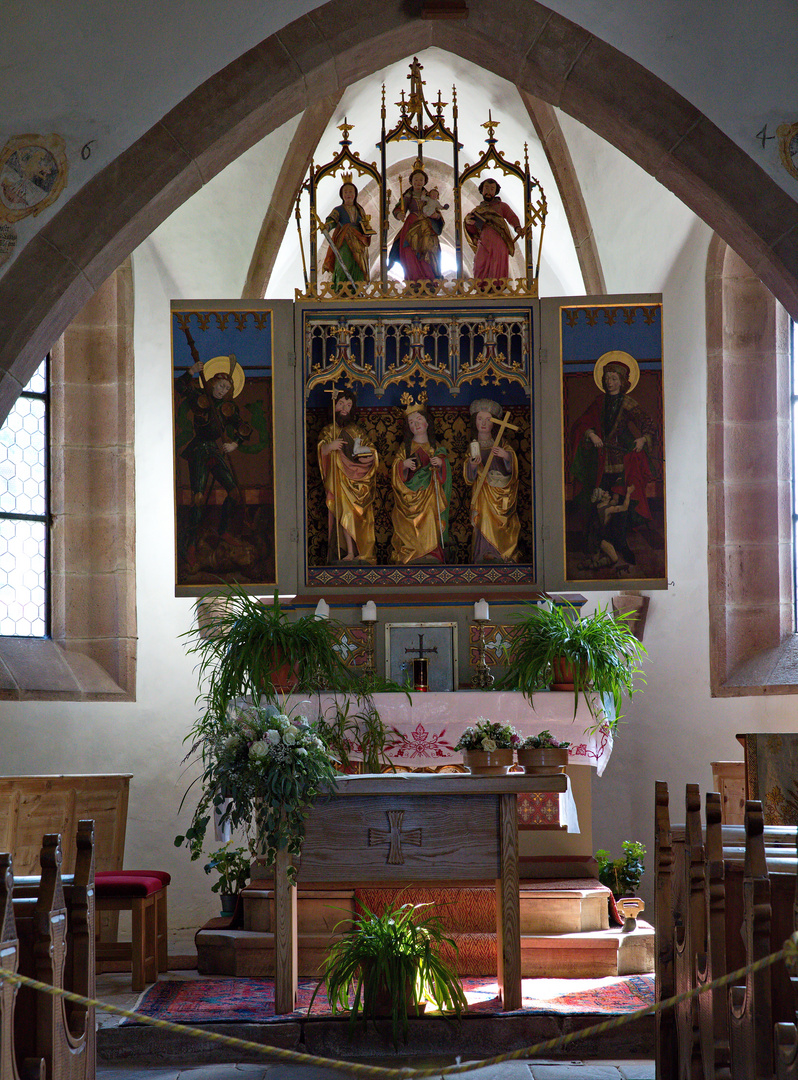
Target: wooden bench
column 725, row 898
column 48, row 934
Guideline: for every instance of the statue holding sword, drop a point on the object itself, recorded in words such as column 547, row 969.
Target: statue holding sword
column 348, row 233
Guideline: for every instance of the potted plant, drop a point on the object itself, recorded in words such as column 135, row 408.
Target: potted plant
column 542, row 753
column 600, row 653
column 488, row 747
column 388, row 964
column 262, row 771
column 622, row 876
column 248, row 649
column 234, row 869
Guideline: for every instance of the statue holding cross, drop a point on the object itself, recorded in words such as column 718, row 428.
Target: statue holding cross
column 491, row 471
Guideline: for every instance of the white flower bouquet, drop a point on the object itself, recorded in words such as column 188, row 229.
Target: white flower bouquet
column 263, row 770
column 489, row 736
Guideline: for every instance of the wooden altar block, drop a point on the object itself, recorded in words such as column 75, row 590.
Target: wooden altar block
column 394, row 829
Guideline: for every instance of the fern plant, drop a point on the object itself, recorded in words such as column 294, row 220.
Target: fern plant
column 388, row 964
column 603, row 653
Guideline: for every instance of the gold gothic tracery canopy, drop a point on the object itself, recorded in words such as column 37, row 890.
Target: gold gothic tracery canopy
column 407, row 230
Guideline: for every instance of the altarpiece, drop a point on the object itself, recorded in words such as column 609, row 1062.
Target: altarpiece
column 402, row 427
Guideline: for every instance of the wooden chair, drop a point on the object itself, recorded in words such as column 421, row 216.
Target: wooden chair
column 143, row 894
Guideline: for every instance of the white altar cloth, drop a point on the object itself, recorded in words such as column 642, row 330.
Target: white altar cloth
column 428, row 727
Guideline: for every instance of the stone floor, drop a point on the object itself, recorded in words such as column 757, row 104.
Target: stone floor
column 115, row 1065
column 513, row 1070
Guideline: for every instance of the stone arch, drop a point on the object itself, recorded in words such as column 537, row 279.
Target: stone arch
column 338, row 43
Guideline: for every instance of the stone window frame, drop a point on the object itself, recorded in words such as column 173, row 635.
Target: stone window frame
column 753, row 646
column 91, row 653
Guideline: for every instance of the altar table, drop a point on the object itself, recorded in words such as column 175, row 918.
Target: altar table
column 429, row 829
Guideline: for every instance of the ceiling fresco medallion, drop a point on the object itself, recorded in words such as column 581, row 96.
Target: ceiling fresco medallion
column 33, row 173
column 788, row 147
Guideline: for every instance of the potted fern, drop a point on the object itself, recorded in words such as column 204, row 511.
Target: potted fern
column 593, row 656
column 387, row 965
column 249, row 648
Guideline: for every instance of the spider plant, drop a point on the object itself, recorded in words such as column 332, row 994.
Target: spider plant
column 387, row 964
column 602, row 651
column 241, row 642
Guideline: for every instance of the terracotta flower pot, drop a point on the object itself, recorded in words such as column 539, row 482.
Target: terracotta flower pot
column 488, row 762
column 563, row 672
column 543, row 759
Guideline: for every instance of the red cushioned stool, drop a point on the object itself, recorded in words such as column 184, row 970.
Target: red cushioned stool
column 143, row 894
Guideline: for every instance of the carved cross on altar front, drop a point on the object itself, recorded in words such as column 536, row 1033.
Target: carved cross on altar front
column 394, row 837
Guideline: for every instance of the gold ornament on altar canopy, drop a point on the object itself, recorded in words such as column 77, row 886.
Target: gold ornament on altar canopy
column 225, row 365
column 417, row 239
column 414, row 406
column 617, row 359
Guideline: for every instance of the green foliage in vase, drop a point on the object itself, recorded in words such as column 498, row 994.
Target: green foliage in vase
column 602, row 650
column 544, row 740
column 262, row 772
column 241, row 641
column 234, row 867
column 391, row 962
column 622, row 876
column 355, row 725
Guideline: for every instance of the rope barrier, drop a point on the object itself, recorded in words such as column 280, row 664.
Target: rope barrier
column 789, row 953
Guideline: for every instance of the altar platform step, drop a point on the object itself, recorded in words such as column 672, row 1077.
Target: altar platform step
column 589, row 955
column 565, row 930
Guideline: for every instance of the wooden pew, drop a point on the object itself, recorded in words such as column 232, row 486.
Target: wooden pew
column 13, row 1066
column 714, row 914
column 55, row 938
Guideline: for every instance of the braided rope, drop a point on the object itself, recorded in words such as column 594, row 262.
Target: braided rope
column 789, row 953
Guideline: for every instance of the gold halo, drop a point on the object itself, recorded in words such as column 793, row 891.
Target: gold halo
column 616, row 357
column 225, row 365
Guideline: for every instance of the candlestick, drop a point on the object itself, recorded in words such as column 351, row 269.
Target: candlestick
column 322, row 610
column 481, row 610
column 368, row 613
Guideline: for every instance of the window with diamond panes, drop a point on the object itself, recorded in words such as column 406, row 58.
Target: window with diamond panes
column 24, row 513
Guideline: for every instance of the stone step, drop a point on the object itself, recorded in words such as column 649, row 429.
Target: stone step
column 544, row 910
column 582, row 955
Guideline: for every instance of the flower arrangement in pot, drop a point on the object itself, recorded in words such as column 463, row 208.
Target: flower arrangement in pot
column 233, row 866
column 542, row 753
column 262, row 771
column 598, row 653
column 388, row 964
column 488, row 747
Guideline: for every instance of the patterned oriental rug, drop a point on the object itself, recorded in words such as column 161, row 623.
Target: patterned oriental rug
column 213, row 1001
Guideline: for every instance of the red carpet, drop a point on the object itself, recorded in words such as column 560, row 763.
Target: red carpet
column 209, row 1001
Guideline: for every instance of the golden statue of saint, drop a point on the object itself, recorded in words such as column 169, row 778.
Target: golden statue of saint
column 422, row 487
column 494, row 516
column 349, row 471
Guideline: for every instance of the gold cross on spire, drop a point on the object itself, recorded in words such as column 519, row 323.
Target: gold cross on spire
column 345, row 128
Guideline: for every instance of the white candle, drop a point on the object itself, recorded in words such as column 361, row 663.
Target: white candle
column 322, row 610
column 368, row 613
column 481, row 610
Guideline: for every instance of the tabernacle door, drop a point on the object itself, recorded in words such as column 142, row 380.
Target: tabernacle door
column 601, row 403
